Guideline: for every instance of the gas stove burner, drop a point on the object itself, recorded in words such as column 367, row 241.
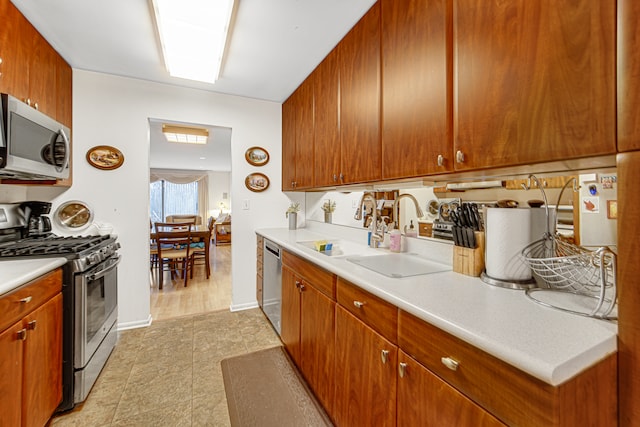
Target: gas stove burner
column 51, row 245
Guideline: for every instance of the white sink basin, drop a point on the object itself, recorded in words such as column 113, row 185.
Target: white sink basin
column 339, row 247
column 399, row 265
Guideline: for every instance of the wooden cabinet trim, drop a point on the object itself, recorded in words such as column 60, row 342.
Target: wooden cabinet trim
column 321, row 279
column 376, row 313
column 487, row 380
column 34, row 293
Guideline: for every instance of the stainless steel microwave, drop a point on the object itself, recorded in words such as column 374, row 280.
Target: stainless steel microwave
column 33, row 146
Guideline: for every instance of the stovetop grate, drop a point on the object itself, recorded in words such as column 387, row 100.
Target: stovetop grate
column 50, row 245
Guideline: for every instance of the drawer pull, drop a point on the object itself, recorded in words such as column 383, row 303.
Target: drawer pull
column 402, row 369
column 440, row 160
column 31, row 325
column 358, row 304
column 22, row 334
column 450, row 363
column 384, row 355
column 26, row 300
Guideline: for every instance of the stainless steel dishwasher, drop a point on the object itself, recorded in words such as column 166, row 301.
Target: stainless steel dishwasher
column 272, row 284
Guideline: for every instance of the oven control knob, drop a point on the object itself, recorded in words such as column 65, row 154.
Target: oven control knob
column 94, row 258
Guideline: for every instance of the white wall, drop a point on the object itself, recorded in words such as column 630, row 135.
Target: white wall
column 219, row 185
column 114, row 111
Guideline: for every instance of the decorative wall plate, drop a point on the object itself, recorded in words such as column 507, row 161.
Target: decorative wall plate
column 74, row 215
column 105, row 157
column 256, row 182
column 257, row 156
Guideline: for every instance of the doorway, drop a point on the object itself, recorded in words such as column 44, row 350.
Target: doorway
column 194, row 178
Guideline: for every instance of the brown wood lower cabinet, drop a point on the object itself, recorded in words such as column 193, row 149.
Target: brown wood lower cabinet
column 426, row 400
column 31, row 352
column 308, row 324
column 386, row 367
column 365, row 374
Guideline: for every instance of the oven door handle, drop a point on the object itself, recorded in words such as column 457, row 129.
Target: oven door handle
column 104, row 271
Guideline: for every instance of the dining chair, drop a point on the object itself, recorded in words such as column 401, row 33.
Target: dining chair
column 174, row 250
column 200, row 255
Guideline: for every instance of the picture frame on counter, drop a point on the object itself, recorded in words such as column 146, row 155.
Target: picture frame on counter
column 257, row 156
column 105, row 157
column 256, row 182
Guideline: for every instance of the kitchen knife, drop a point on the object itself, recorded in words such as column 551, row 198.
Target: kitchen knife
column 472, row 218
column 455, row 229
column 471, row 237
column 476, row 216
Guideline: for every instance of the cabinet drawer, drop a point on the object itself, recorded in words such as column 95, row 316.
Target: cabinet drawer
column 513, row 396
column 21, row 301
column 321, row 279
column 425, row 229
column 375, row 312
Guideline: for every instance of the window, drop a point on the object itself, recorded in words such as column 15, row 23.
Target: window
column 167, row 198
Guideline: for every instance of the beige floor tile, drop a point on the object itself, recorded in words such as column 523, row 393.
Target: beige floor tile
column 211, row 410
column 171, row 415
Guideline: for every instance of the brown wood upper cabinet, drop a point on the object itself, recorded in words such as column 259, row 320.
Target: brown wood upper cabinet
column 416, row 88
column 534, row 81
column 327, row 122
column 628, row 75
column 297, row 138
column 359, row 68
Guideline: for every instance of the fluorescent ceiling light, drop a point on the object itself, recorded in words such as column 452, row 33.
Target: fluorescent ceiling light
column 193, row 34
column 185, row 134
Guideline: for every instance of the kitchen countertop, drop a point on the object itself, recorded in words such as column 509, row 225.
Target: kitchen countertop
column 548, row 344
column 15, row 273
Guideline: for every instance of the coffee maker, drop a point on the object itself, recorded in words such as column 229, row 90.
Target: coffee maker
column 37, row 224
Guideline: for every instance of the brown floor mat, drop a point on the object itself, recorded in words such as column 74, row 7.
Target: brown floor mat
column 265, row 389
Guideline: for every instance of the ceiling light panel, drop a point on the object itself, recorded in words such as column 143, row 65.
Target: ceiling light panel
column 193, row 34
column 185, row 135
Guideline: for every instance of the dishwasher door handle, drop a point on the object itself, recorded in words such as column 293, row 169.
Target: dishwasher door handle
column 274, row 252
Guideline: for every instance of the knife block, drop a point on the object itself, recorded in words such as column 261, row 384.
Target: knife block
column 469, row 261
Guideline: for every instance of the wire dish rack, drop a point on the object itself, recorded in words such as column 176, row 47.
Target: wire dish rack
column 577, row 280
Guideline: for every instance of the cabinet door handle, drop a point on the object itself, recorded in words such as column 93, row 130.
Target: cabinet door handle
column 440, row 160
column 298, row 284
column 459, row 156
column 335, row 177
column 341, row 177
column 26, row 300
column 450, row 363
column 358, row 304
column 31, row 325
column 384, row 355
column 302, row 287
column 22, row 334
column 402, row 369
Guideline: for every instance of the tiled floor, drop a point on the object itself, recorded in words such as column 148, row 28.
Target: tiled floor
column 169, row 373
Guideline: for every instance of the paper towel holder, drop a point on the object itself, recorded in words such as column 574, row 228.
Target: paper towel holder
column 520, row 285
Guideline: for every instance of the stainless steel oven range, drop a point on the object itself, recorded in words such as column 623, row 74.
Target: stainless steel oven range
column 90, row 296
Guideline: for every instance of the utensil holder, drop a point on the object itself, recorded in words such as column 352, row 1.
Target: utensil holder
column 468, row 261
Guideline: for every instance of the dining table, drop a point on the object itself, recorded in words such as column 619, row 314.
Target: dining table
column 201, row 232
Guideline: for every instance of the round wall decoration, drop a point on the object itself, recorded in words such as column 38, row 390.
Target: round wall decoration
column 256, row 182
column 105, row 157
column 257, row 156
column 74, row 215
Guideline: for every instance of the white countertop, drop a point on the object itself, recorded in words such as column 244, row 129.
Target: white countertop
column 550, row 345
column 15, row 273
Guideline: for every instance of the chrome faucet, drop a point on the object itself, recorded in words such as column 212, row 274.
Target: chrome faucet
column 376, row 237
column 396, row 210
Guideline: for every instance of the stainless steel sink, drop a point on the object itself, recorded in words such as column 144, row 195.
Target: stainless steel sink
column 399, row 265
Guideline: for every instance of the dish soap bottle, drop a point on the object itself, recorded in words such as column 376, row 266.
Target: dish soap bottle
column 411, row 232
column 395, row 240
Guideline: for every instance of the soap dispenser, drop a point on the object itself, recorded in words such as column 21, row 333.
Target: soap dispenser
column 411, row 231
column 395, row 240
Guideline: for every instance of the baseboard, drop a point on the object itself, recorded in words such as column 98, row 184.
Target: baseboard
column 241, row 307
column 136, row 324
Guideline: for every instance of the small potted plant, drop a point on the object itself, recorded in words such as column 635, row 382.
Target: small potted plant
column 328, row 207
column 292, row 214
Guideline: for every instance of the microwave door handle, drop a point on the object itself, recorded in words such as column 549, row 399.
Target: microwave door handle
column 67, row 147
